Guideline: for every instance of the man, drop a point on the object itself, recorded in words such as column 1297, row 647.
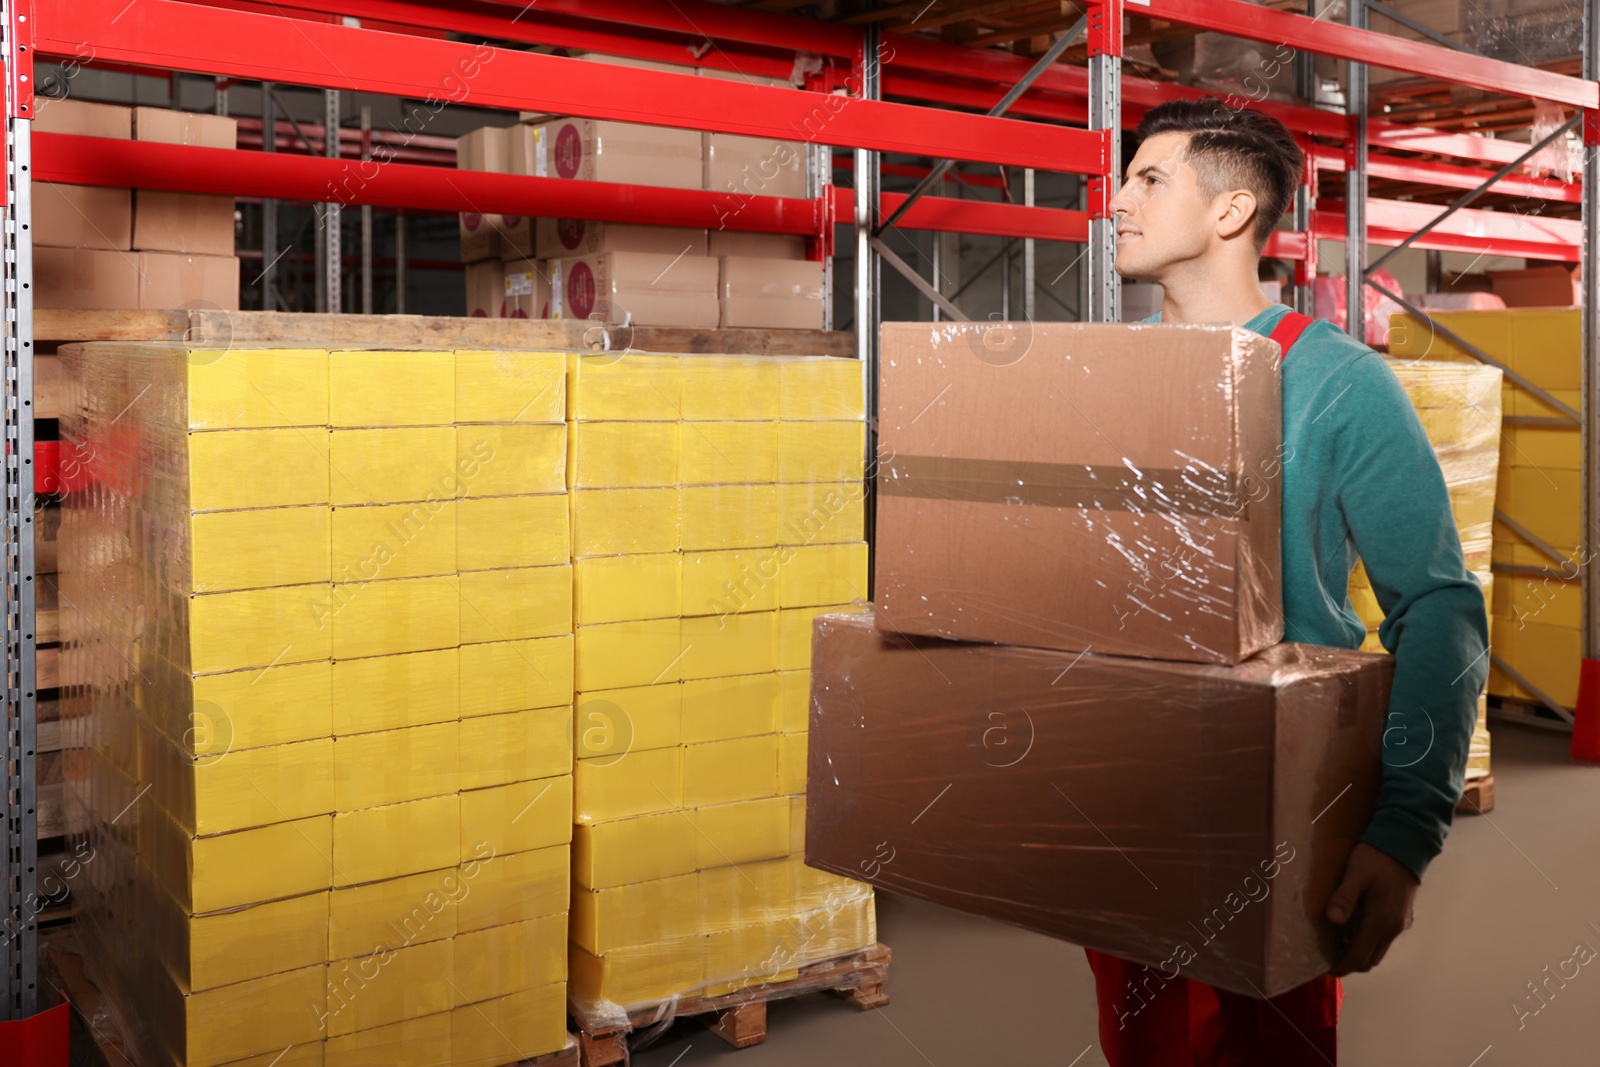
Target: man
column 1204, row 191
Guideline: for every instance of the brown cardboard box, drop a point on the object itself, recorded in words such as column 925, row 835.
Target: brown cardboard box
column 183, row 222
column 527, row 289
column 754, row 166
column 1537, row 287
column 92, row 278
column 485, row 149
column 1102, row 487
column 576, row 237
column 638, row 287
column 770, row 293
column 1192, row 818
column 82, row 216
column 604, row 151
column 486, row 289
column 761, row 245
column 516, row 233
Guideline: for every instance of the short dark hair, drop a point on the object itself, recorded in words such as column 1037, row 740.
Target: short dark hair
column 1234, row 148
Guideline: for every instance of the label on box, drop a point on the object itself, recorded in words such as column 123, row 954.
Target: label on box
column 541, row 158
column 519, row 284
column 568, row 151
column 570, row 232
column 580, row 290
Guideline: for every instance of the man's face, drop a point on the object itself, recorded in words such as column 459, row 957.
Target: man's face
column 1162, row 216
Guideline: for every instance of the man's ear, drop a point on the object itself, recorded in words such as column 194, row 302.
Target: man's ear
column 1238, row 212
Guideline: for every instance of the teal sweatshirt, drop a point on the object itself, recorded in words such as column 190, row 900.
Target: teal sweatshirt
column 1360, row 480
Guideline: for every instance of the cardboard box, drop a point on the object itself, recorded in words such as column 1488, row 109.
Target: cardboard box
column 183, row 222
column 485, row 149
column 754, row 166
column 1538, row 287
column 636, row 287
column 93, row 278
column 601, row 150
column 762, row 245
column 180, row 280
column 771, row 293
column 82, row 216
column 556, row 238
column 1132, row 471
column 527, row 289
column 486, row 289
column 1236, row 792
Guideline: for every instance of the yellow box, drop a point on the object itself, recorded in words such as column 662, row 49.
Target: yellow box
column 259, row 628
column 1413, row 338
column 792, row 764
column 1521, row 402
column 242, row 389
column 622, row 455
column 608, row 854
column 516, row 675
column 716, row 583
column 729, row 516
column 248, row 709
column 634, row 977
column 616, row 522
column 1548, row 656
column 746, row 831
column 626, row 588
column 1548, row 348
column 616, row 655
column 393, row 465
column 519, row 817
column 394, row 541
column 720, row 772
column 824, row 574
column 387, row 618
column 821, row 451
column 746, row 956
column 727, row 453
column 715, row 647
column 814, row 513
column 284, row 859
column 515, row 747
column 837, row 930
column 1524, row 598
column 795, row 626
column 1461, row 427
column 1547, row 502
column 388, row 692
column 366, row 920
column 635, row 387
column 1364, row 600
column 794, row 701
column 515, row 605
column 424, row 1042
column 393, row 766
column 607, row 920
column 497, row 533
column 252, row 549
column 511, row 386
column 640, row 783
column 1555, row 447
column 730, row 387
column 718, row 709
column 215, row 794
column 258, row 469
column 309, row 1055
column 510, row 959
column 374, row 388
column 406, row 983
column 821, row 387
column 497, row 890
column 749, row 893
column 497, row 460
column 510, row 1029
column 610, row 723
column 227, row 1024
column 206, row 951
column 396, row 840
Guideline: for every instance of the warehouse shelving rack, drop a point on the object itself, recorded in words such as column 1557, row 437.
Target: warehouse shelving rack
column 848, row 75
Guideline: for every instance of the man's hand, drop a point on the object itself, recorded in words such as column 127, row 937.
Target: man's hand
column 1372, row 905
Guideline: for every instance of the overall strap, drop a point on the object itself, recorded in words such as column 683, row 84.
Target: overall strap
column 1288, row 331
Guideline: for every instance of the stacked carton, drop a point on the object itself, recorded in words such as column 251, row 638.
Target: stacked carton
column 1460, row 410
column 321, row 696
column 1537, row 602
column 103, row 247
column 716, row 510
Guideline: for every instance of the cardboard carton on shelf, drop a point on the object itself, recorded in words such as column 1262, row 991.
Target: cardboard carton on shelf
column 82, row 216
column 95, row 278
column 183, row 222
column 754, row 166
column 1233, row 794
column 485, row 149
column 1133, row 471
column 557, row 238
column 486, row 289
column 1536, row 287
column 601, row 150
column 636, row 287
column 527, row 289
column 760, row 245
column 770, row 293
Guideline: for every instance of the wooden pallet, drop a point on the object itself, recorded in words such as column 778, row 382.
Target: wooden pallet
column 1478, row 799
column 740, row 1018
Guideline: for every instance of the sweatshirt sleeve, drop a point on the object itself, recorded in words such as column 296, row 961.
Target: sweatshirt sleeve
column 1392, row 494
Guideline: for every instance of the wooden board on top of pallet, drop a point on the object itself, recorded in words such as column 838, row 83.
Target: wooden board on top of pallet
column 740, row 1018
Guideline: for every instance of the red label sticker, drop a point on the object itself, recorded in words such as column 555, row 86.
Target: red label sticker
column 570, row 231
column 568, row 151
column 471, row 219
column 580, row 290
column 511, row 220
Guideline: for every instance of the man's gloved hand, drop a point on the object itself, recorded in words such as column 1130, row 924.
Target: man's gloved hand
column 1372, row 905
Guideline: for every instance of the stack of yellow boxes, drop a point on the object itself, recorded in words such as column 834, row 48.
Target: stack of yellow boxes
column 321, row 698
column 716, row 509
column 1538, row 601
column 1460, row 410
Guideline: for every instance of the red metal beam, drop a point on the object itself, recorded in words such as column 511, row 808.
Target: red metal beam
column 1497, row 233
column 946, row 215
column 208, row 40
column 1449, row 176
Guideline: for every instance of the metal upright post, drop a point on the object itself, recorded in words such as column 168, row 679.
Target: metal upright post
column 1029, row 307
column 1589, row 404
column 269, row 206
column 1355, row 191
column 20, row 837
column 869, row 308
column 332, row 277
column 819, row 176
column 400, row 262
column 938, row 271
column 222, row 96
column 1105, row 115
column 366, row 216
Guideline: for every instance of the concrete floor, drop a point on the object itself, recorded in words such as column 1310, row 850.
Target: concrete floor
column 1512, row 893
